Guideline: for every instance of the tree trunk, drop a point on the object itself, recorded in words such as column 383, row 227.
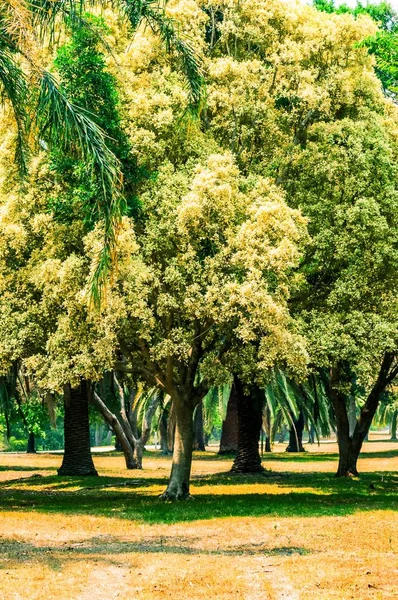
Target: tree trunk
column 178, row 487
column 31, row 443
column 350, row 448
column 77, row 458
column 171, row 428
column 311, row 434
column 164, row 448
column 114, row 423
column 394, row 426
column 250, row 410
column 296, row 435
column 229, row 431
column 267, row 427
column 199, row 436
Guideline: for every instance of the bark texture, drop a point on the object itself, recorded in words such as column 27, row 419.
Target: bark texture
column 250, row 409
column 178, row 487
column 296, row 435
column 31, row 444
column 394, row 426
column 350, row 446
column 229, row 431
column 77, row 460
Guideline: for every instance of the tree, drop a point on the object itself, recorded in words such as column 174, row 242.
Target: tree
column 229, row 431
column 383, row 44
column 250, row 419
column 345, row 180
column 188, row 310
column 77, row 459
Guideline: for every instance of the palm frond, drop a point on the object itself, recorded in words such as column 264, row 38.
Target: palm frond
column 62, row 124
column 14, row 88
column 153, row 13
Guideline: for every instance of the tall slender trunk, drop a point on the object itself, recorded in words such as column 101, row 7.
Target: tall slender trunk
column 296, row 435
column 164, row 448
column 347, row 461
column 267, row 427
column 229, row 431
column 77, row 458
column 31, row 443
column 311, row 434
column 199, row 435
column 250, row 409
column 394, row 426
column 178, row 486
column 114, row 423
column 171, row 428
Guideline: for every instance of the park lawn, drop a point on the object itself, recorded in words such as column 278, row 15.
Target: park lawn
column 290, row 534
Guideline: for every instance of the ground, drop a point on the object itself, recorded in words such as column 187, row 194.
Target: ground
column 291, row 534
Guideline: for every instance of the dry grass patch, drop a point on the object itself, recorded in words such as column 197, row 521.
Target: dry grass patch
column 288, row 535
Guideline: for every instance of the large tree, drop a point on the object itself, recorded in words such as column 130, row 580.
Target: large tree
column 210, row 274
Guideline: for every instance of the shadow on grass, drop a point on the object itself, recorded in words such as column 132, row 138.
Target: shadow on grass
column 305, row 457
column 104, row 545
column 297, row 495
column 6, row 469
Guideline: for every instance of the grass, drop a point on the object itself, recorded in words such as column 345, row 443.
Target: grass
column 293, row 532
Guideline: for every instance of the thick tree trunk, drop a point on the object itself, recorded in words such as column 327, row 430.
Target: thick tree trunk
column 250, row 409
column 114, row 423
column 296, row 435
column 229, row 431
column 199, row 436
column 178, row 487
column 77, row 458
column 394, row 426
column 31, row 443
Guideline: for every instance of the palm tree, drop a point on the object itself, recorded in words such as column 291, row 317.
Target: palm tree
column 43, row 113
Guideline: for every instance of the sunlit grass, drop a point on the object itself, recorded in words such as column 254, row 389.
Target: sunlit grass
column 292, row 532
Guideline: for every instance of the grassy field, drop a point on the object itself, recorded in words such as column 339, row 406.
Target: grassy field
column 291, row 534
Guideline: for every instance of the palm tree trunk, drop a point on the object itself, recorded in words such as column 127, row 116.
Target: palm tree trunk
column 250, row 410
column 394, row 426
column 31, row 444
column 77, row 460
column 296, row 435
column 229, row 431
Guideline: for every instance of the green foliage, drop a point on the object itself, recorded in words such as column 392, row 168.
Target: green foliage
column 383, row 45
